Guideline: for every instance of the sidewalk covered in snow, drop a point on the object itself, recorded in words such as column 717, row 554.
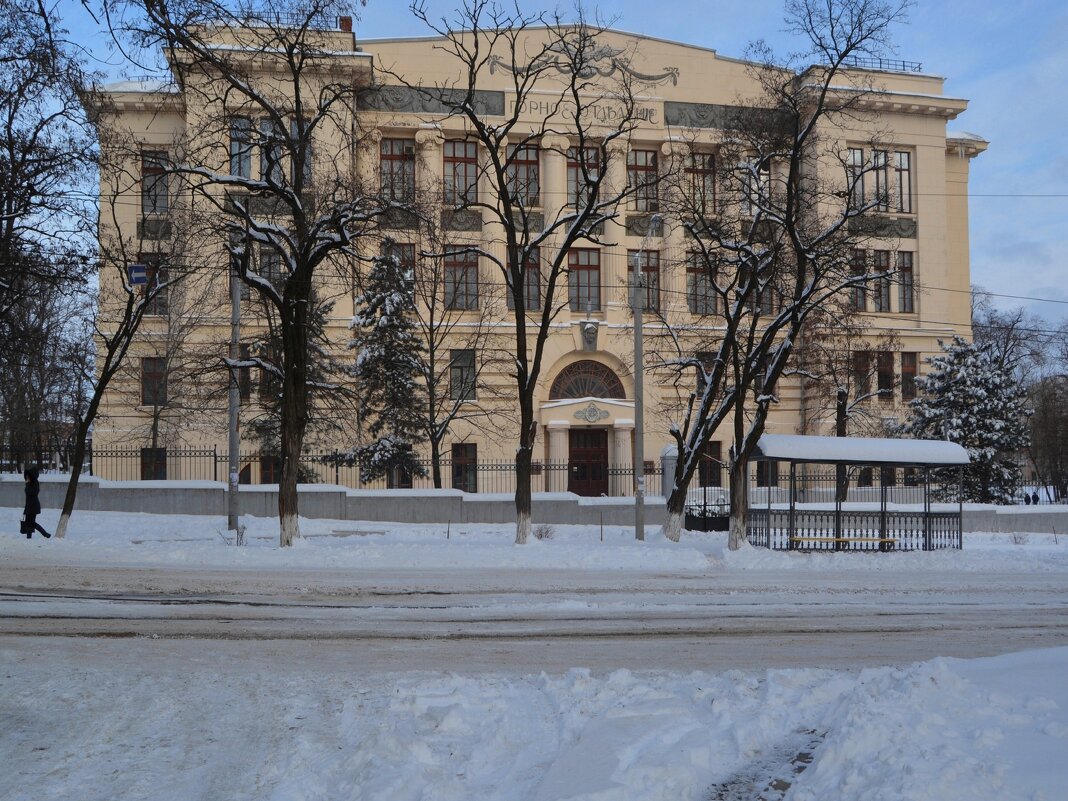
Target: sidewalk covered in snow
column 860, row 505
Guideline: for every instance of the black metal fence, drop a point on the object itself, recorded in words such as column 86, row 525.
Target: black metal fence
column 869, row 530
column 328, row 467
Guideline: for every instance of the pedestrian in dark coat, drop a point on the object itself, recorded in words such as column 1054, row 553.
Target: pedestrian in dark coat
column 33, row 505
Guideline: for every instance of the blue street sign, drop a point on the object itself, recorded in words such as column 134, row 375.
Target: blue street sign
column 138, row 274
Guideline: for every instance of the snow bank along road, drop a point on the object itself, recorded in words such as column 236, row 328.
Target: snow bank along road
column 513, row 620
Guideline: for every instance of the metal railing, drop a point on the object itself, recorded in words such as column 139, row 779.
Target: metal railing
column 874, row 530
column 332, row 467
column 887, row 64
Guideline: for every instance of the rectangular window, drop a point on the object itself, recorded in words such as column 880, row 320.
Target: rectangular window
column 271, row 141
column 858, row 267
column 294, row 157
column 531, row 272
column 648, row 261
column 908, row 376
column 153, row 464
column 865, row 477
column 710, row 468
column 158, row 275
column 241, row 147
column 461, row 278
column 903, row 169
column 905, row 283
column 465, row 467
column 461, row 172
column 584, row 279
column 399, row 477
column 756, row 186
column 881, row 170
column 404, row 252
column 861, row 372
column 767, row 474
column 155, row 186
column 523, row 174
column 582, row 172
column 885, row 367
column 855, row 177
column 707, row 359
column 702, row 172
column 700, row 284
column 880, row 288
column 271, row 267
column 462, row 374
column 642, row 180
column 270, row 469
column 396, row 169
column 153, row 381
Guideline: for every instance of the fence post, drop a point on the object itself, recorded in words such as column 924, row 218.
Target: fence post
column 214, row 462
column 337, row 468
column 89, row 455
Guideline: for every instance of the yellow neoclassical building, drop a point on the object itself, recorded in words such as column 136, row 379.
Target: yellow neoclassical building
column 398, row 142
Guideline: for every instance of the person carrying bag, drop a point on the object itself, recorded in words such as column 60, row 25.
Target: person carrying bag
column 33, row 505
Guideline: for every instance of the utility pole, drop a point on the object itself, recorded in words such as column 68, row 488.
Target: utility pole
column 233, row 509
column 638, row 308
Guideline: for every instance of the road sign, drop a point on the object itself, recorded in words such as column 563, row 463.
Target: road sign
column 138, row 274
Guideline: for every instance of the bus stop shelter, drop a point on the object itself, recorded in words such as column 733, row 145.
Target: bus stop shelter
column 848, row 509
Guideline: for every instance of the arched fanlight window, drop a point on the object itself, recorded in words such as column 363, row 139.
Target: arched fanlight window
column 586, row 379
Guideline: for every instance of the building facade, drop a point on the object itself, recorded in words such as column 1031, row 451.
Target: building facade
column 398, row 143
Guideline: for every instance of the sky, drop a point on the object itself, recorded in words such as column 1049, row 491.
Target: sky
column 1006, row 59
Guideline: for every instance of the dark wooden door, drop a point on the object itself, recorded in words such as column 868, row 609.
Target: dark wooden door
column 588, row 461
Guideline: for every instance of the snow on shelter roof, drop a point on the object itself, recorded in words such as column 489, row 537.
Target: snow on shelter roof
column 860, row 450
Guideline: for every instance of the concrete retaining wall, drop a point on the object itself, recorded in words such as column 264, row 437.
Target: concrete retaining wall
column 330, row 502
column 421, row 506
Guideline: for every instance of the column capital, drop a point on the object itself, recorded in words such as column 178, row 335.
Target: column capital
column 623, row 424
column 374, row 136
column 429, row 137
column 558, row 425
column 556, row 143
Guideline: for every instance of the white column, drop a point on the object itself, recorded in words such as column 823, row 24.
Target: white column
column 621, row 434
column 558, row 454
column 553, row 176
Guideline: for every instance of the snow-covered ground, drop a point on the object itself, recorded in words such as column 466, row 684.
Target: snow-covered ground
column 175, row 719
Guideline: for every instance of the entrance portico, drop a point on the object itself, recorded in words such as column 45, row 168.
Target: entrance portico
column 594, row 437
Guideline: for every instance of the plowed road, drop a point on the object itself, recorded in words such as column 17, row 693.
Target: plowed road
column 500, row 620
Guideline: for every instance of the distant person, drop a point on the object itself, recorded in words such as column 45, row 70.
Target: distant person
column 1034, row 498
column 33, row 505
column 1027, row 499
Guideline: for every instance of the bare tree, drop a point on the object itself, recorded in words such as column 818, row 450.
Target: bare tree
column 119, row 313
column 561, row 104
column 781, row 250
column 271, row 81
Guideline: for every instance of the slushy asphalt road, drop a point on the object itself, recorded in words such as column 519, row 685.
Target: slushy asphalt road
column 528, row 621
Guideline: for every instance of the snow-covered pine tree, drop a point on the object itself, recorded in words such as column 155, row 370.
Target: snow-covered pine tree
column 968, row 399
column 392, row 400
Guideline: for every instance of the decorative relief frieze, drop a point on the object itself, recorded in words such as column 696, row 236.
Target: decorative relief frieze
column 414, row 100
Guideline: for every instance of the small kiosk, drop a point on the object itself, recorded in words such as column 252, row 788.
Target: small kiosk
column 856, row 493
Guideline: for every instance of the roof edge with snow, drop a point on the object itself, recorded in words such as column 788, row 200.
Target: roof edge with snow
column 860, row 450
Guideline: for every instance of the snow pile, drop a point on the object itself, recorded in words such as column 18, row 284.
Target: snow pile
column 124, row 539
column 213, row 725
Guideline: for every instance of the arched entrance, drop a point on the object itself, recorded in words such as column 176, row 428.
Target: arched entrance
column 586, row 379
column 589, row 394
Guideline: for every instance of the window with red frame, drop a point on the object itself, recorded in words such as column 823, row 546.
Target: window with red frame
column 531, row 272
column 908, row 376
column 396, row 169
column 701, row 294
column 583, row 169
column 885, row 371
column 461, row 172
column 461, row 278
column 153, row 381
column 524, row 176
column 648, row 261
column 155, row 186
column 702, row 172
column 584, row 279
column 642, row 180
